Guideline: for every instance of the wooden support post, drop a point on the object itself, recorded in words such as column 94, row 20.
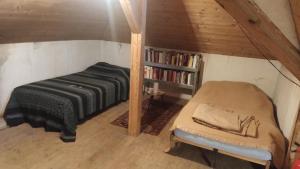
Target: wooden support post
column 135, row 12
column 136, row 83
column 262, row 32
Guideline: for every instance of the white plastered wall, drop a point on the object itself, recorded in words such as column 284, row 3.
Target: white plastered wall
column 23, row 63
column 38, row 61
column 232, row 68
column 287, row 101
column 115, row 53
column 286, row 95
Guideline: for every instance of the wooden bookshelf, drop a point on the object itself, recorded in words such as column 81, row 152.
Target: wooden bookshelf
column 173, row 68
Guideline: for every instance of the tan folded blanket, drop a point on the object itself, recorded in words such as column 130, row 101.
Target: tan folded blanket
column 226, row 120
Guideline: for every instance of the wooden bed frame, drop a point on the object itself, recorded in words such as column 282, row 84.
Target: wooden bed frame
column 175, row 141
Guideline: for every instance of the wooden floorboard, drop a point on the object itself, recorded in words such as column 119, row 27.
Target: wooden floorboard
column 100, row 145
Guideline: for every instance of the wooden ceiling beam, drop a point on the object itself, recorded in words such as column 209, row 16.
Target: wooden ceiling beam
column 132, row 10
column 263, row 33
column 295, row 7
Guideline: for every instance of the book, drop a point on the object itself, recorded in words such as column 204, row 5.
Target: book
column 174, row 76
column 195, row 61
column 173, row 57
column 189, row 79
column 190, row 62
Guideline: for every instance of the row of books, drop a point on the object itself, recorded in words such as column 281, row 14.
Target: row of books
column 172, row 58
column 180, row 77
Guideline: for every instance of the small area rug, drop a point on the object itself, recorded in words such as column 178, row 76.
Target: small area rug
column 154, row 119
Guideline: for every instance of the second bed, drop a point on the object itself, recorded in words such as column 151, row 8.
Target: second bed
column 267, row 147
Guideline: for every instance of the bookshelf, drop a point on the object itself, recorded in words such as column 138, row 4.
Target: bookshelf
column 173, row 68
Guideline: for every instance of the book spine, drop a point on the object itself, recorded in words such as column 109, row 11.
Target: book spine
column 195, row 62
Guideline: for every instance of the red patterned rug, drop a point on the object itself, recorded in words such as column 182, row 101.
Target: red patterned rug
column 154, row 119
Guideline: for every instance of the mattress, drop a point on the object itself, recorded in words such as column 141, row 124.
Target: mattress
column 252, row 153
column 61, row 103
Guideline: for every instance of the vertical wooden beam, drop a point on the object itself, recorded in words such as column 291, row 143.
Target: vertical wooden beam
column 136, row 83
column 135, row 12
column 263, row 33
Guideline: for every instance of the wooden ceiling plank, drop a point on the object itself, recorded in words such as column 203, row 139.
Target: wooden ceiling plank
column 263, row 33
column 39, row 20
column 196, row 23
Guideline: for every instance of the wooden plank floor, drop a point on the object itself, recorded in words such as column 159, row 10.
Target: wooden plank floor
column 100, row 145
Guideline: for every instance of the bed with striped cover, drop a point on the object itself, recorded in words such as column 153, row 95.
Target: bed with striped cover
column 61, row 103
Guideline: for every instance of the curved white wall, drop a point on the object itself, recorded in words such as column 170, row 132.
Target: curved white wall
column 287, row 100
column 287, row 95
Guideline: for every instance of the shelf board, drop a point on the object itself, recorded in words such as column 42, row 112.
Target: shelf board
column 170, row 83
column 171, row 67
column 174, row 50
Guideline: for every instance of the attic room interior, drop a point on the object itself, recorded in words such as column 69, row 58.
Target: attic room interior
column 149, row 84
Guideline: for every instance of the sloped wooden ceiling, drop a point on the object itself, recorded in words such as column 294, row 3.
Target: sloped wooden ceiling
column 199, row 25
column 44, row 20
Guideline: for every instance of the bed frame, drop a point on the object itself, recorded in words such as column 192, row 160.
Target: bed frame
column 175, row 141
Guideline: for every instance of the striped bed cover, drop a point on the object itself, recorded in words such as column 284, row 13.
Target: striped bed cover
column 59, row 104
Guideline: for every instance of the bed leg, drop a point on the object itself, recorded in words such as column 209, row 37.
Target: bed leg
column 172, row 144
column 268, row 164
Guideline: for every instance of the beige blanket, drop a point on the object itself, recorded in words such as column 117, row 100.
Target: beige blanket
column 240, row 97
column 227, row 120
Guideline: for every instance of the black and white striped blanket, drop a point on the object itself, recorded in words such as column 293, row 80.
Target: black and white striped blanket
column 61, row 103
